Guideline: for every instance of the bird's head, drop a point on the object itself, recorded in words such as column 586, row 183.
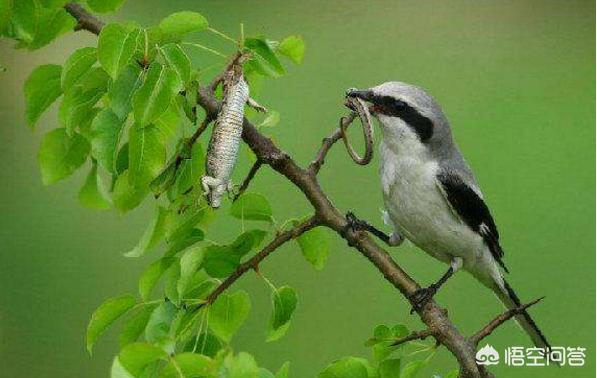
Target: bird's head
column 407, row 114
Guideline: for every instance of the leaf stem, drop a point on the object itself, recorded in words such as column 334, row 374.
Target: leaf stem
column 200, row 46
column 225, row 36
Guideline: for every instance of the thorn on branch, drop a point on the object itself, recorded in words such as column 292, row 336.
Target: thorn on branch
column 501, row 319
column 415, row 335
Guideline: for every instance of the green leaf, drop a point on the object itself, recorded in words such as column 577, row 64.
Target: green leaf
column 190, row 170
column 171, row 277
column 135, row 357
column 190, row 365
column 247, row 241
column 118, row 371
column 122, row 90
column 42, row 88
column 134, row 326
column 122, row 159
column 315, row 247
column 389, row 368
column 252, row 206
column 262, row 48
column 151, row 276
column 243, row 365
column 77, row 66
column 147, row 155
column 34, row 25
column 221, row 260
column 179, row 225
column 349, row 367
column 115, row 48
column 185, row 240
column 105, row 315
column 160, row 321
column 189, row 264
column 25, row 16
column 228, row 313
column 293, row 47
column 76, row 106
column 124, row 195
column 453, row 374
column 284, row 302
column 176, row 25
column 412, row 368
column 155, row 95
column 271, row 120
column 283, row 371
column 5, row 14
column 93, row 194
column 106, row 128
column 104, row 6
column 152, row 235
column 167, row 124
column 52, row 23
column 61, row 155
column 178, row 60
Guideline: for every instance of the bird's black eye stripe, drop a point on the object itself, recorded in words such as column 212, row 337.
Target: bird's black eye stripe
column 397, row 108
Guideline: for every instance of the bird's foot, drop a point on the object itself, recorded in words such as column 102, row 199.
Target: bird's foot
column 421, row 297
column 354, row 224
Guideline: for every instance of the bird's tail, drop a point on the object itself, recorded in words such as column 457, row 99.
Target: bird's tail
column 509, row 298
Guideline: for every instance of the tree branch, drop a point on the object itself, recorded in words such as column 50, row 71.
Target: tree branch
column 253, row 262
column 85, row 20
column 501, row 319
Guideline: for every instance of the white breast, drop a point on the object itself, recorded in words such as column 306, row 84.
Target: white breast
column 416, row 206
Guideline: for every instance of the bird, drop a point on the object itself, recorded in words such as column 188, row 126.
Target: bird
column 431, row 196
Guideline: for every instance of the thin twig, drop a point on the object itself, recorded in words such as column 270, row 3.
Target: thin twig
column 85, row 20
column 248, row 179
column 328, row 142
column 415, row 335
column 206, row 121
column 501, row 319
column 253, row 262
column 220, row 77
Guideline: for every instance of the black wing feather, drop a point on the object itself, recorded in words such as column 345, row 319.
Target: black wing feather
column 473, row 211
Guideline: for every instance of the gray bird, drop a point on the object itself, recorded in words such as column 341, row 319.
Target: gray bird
column 431, row 196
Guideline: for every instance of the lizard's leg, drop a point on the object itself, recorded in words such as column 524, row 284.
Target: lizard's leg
column 255, row 105
column 355, row 224
column 208, row 182
column 424, row 295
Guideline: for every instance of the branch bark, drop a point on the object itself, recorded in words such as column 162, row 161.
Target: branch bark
column 326, row 214
column 85, row 20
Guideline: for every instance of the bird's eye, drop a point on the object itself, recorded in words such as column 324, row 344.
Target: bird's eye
column 399, row 105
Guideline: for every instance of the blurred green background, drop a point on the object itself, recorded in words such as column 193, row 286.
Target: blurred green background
column 516, row 79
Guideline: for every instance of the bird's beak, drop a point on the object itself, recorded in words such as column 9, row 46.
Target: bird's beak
column 363, row 94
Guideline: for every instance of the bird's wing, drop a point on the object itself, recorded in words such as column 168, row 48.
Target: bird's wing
column 468, row 206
